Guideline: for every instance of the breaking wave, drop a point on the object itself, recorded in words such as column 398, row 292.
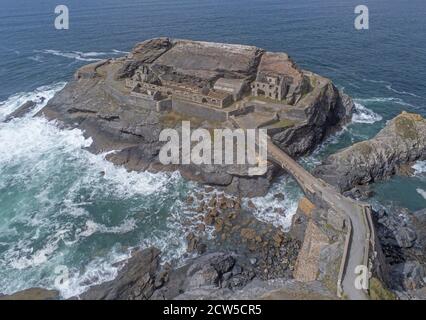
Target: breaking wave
column 389, row 87
column 273, row 209
column 63, row 206
column 362, row 114
column 420, row 167
column 81, row 56
column 383, row 99
column 421, row 192
column 375, row 81
column 41, row 96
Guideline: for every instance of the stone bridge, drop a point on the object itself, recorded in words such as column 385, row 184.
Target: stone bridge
column 360, row 229
column 360, row 239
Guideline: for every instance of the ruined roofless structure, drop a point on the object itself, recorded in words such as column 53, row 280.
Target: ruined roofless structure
column 211, row 75
column 218, row 98
column 277, row 77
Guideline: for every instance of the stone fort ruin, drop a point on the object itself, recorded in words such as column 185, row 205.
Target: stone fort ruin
column 209, row 80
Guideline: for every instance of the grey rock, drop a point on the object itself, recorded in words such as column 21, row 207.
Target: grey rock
column 409, row 275
column 227, row 276
column 135, row 281
column 336, row 220
column 405, row 237
column 207, row 276
column 400, row 143
column 21, row 111
column 236, row 270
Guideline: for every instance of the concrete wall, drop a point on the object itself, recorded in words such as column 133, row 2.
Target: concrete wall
column 199, row 111
column 128, row 99
column 242, row 111
column 164, row 105
column 89, row 71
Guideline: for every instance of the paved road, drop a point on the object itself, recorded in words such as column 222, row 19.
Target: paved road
column 357, row 254
column 354, row 210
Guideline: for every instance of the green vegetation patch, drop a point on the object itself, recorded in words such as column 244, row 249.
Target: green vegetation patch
column 267, row 100
column 173, row 119
column 284, row 123
column 406, row 128
column 364, row 148
column 379, row 292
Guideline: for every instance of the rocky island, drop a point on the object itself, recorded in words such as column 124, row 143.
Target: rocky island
column 394, row 149
column 123, row 104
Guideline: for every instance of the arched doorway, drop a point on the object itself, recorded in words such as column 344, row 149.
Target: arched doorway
column 260, row 92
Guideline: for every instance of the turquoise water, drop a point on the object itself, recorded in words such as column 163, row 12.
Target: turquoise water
column 60, row 205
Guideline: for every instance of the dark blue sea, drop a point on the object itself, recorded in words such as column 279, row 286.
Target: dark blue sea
column 57, row 210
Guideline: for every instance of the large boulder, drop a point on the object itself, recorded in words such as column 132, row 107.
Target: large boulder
column 135, row 281
column 21, row 111
column 405, row 237
column 408, row 276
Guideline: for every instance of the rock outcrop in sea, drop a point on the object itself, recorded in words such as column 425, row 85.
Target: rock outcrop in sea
column 392, row 150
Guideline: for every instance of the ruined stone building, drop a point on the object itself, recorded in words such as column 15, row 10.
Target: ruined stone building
column 236, row 87
column 270, row 86
column 145, row 84
column 278, row 78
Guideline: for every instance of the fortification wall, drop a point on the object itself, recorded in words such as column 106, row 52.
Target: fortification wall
column 129, row 99
column 199, row 111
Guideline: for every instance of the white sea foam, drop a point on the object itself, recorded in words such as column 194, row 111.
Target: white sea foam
column 420, row 167
column 421, row 192
column 364, row 115
column 36, row 58
column 61, row 185
column 383, row 100
column 93, row 227
column 41, row 96
column 42, row 151
column 38, row 141
column 71, row 55
column 81, row 56
column 35, row 259
column 390, row 88
column 274, row 210
column 98, row 271
column 120, row 51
